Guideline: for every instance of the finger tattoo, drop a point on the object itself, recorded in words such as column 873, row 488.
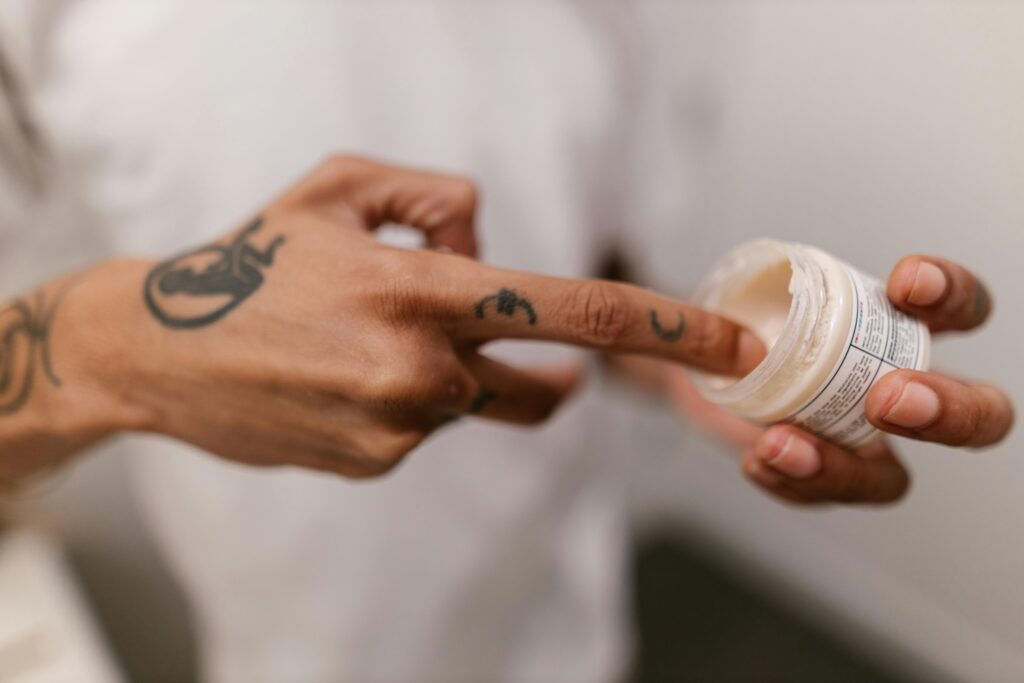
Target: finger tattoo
column 506, row 302
column 667, row 335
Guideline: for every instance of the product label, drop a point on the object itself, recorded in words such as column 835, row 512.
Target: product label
column 882, row 339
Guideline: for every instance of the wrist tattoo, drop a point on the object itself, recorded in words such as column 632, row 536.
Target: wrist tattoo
column 506, row 302
column 25, row 326
column 667, row 335
column 200, row 287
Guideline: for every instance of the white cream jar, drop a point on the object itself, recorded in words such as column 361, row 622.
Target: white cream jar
column 830, row 330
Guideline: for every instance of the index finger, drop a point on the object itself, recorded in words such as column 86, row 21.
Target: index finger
column 946, row 296
column 608, row 316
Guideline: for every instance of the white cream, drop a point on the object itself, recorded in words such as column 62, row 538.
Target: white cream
column 830, row 331
column 762, row 302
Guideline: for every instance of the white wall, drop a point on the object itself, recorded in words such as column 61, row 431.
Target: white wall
column 876, row 129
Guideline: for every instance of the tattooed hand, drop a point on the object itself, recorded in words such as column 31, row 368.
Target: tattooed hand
column 300, row 340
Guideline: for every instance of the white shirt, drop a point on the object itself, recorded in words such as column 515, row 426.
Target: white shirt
column 492, row 554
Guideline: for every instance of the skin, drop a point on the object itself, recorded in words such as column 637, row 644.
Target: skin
column 309, row 344
column 299, row 340
column 799, row 468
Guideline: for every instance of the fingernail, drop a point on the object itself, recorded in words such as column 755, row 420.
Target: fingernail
column 750, row 351
column 917, row 406
column 929, row 285
column 795, row 458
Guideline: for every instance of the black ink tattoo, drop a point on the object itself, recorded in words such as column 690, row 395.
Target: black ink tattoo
column 506, row 301
column 200, row 287
column 25, row 344
column 663, row 334
column 481, row 400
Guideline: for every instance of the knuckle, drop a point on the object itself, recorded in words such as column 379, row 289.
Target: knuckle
column 454, row 202
column 599, row 313
column 444, row 384
column 412, row 289
column 981, row 417
column 380, row 449
column 336, row 176
column 413, row 381
column 341, row 166
column 463, row 392
column 370, row 451
column 398, row 386
column 390, row 390
column 464, row 195
column 390, row 450
column 401, row 287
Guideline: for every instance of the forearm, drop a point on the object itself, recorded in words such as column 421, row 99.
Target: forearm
column 65, row 368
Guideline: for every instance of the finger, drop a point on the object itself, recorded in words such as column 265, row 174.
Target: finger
column 933, row 407
column 705, row 415
column 771, row 482
column 485, row 304
column 442, row 206
column 517, row 395
column 820, row 471
column 943, row 294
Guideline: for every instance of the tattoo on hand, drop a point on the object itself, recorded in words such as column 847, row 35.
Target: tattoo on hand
column 25, row 344
column 200, row 287
column 667, row 335
column 481, row 400
column 506, row 302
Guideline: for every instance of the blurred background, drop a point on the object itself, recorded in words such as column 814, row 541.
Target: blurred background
column 896, row 127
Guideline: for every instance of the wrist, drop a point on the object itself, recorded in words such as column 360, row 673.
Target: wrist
column 95, row 338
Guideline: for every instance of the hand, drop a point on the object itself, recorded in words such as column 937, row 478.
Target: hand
column 798, row 467
column 301, row 340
